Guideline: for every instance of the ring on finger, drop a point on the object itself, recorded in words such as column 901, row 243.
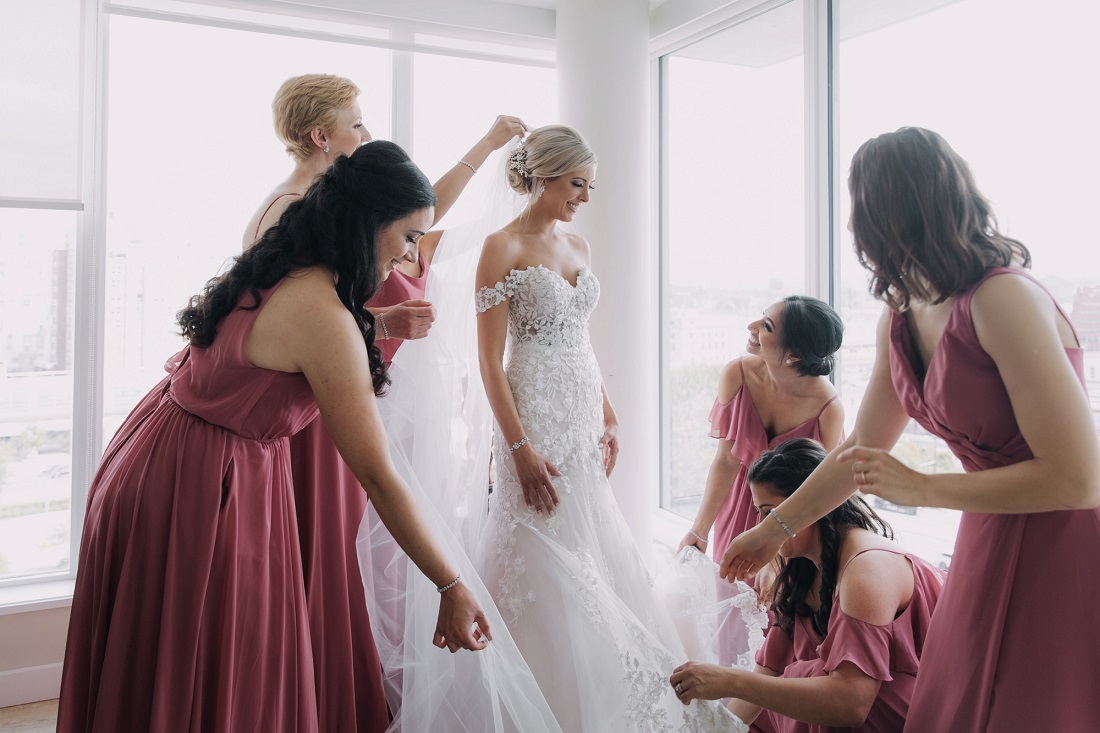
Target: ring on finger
column 679, row 688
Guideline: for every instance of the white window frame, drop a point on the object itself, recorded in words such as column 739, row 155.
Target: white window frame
column 529, row 27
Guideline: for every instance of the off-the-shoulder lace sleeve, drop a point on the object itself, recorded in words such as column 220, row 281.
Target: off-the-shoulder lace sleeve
column 487, row 297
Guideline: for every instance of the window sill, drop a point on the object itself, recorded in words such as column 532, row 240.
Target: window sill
column 29, row 597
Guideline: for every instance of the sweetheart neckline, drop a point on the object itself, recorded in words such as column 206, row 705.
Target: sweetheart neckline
column 583, row 269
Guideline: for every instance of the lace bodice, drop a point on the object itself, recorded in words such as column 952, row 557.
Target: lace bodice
column 551, row 368
column 544, row 307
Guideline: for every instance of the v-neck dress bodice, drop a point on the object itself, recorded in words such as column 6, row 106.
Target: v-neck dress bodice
column 998, row 658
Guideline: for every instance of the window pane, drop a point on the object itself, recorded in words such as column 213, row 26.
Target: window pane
column 37, row 255
column 736, row 215
column 40, row 119
column 455, row 102
column 191, row 153
column 1022, row 120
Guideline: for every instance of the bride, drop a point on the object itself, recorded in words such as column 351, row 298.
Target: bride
column 556, row 553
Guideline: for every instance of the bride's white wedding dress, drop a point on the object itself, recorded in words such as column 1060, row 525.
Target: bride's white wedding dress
column 573, row 588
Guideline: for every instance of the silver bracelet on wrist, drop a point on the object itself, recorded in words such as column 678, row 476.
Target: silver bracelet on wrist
column 452, row 584
column 385, row 331
column 699, row 537
column 517, row 445
column 781, row 523
column 462, row 162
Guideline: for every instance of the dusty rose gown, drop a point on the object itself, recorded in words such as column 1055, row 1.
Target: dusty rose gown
column 330, row 503
column 189, row 612
column 887, row 652
column 1012, row 646
column 738, row 422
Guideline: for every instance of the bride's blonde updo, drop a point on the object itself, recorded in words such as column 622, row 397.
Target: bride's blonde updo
column 548, row 152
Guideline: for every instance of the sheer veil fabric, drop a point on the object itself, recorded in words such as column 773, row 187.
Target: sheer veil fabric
column 439, row 425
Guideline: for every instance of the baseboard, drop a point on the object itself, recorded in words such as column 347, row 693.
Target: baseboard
column 30, row 684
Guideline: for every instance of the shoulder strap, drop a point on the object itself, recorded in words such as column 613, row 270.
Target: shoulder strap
column 871, row 549
column 256, row 233
column 827, row 403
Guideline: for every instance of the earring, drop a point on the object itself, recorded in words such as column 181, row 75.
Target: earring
column 542, row 190
column 326, row 148
column 789, row 362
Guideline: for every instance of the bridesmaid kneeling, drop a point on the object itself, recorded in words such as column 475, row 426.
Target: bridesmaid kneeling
column 852, row 609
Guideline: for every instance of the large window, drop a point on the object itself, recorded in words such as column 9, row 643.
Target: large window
column 191, row 151
column 1007, row 83
column 455, row 100
column 40, row 203
column 121, row 193
column 735, row 223
column 1018, row 118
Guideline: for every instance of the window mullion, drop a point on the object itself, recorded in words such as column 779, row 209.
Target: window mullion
column 820, row 125
column 87, row 435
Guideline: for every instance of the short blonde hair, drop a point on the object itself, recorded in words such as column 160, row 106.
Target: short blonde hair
column 548, row 152
column 307, row 102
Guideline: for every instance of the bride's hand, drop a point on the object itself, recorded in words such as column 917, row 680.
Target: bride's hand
column 748, row 553
column 609, row 444
column 534, row 473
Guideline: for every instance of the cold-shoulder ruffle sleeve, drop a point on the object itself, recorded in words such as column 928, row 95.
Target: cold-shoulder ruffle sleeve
column 879, row 651
column 737, row 422
column 870, row 647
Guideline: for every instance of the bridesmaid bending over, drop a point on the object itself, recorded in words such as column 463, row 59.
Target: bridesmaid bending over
column 189, row 611
column 317, row 117
column 852, row 611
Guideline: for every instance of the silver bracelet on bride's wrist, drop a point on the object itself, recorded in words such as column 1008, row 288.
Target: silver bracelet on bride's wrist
column 517, row 445
column 452, row 584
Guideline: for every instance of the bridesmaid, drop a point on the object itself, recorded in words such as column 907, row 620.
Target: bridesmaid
column 317, row 118
column 778, row 391
column 852, row 611
column 978, row 352
column 190, row 611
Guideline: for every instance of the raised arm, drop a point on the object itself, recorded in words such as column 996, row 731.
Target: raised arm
column 879, row 424
column 451, row 184
column 723, row 468
column 304, row 328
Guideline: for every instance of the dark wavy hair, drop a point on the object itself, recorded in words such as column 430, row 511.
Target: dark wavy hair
column 783, row 470
column 813, row 332
column 334, row 225
column 921, row 226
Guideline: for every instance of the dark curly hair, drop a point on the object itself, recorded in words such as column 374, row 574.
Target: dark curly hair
column 334, row 226
column 920, row 225
column 812, row 331
column 783, row 470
